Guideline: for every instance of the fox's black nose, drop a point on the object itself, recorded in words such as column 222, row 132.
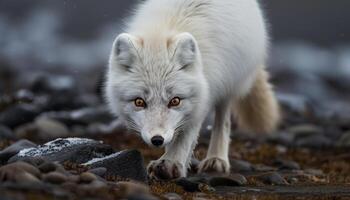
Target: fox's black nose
column 157, row 140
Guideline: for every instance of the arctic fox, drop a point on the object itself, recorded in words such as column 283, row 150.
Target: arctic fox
column 178, row 60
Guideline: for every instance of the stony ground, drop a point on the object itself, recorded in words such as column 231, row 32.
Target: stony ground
column 307, row 158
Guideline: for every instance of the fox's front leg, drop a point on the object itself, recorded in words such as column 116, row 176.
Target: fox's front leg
column 175, row 161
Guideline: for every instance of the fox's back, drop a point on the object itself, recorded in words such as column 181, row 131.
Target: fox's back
column 231, row 36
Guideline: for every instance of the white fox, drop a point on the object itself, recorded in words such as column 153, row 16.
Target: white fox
column 182, row 58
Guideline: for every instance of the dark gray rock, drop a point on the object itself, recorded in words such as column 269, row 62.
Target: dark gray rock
column 304, row 130
column 76, row 150
column 240, row 166
column 19, row 172
column 100, row 171
column 188, row 185
column 232, row 180
column 286, row 164
column 13, row 149
column 272, row 178
column 19, row 114
column 125, row 164
column 314, row 141
column 47, row 167
column 344, row 140
column 6, row 133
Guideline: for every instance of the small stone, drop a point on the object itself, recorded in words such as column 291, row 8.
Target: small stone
column 87, row 177
column 286, row 164
column 240, row 166
column 142, row 197
column 13, row 149
column 18, row 115
column 6, row 133
column 304, row 130
column 172, row 196
column 49, row 129
column 128, row 188
column 55, row 178
column 263, row 168
column 187, row 185
column 344, row 140
column 99, row 171
column 273, row 178
column 47, row 167
column 232, row 180
column 73, row 178
column 314, row 141
column 26, row 177
column 315, row 172
column 194, row 165
column 18, row 172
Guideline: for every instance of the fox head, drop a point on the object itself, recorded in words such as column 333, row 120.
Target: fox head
column 157, row 85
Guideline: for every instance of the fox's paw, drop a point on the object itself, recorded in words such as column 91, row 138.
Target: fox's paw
column 214, row 164
column 164, row 169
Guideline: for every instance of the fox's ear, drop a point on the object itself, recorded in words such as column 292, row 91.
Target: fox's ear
column 186, row 50
column 124, row 50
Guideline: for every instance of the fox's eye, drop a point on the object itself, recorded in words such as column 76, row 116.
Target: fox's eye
column 140, row 103
column 174, row 102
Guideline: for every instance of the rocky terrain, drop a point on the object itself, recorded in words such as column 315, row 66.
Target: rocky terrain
column 307, row 158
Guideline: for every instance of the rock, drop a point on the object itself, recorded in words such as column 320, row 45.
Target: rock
column 100, row 171
column 24, row 95
column 193, row 186
column 87, row 177
column 142, row 197
column 19, row 172
column 187, row 185
column 55, row 178
column 172, row 196
column 232, row 180
column 273, row 178
column 344, row 140
column 240, row 166
column 75, row 150
column 194, row 165
column 26, row 177
column 282, row 138
column 314, row 141
column 263, row 168
column 13, row 149
column 304, row 130
column 47, row 167
column 128, row 188
column 293, row 102
column 18, row 115
column 93, row 188
column 48, row 84
column 286, row 164
column 84, row 116
column 49, row 129
column 6, row 133
column 125, row 164
column 315, row 172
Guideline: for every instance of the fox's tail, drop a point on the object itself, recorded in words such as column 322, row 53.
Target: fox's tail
column 259, row 110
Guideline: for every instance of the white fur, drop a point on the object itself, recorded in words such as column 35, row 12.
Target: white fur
column 205, row 51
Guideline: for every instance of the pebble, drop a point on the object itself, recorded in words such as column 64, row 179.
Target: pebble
column 19, row 172
column 18, row 115
column 99, row 171
column 6, row 133
column 49, row 129
column 55, row 178
column 47, row 167
column 142, row 197
column 240, row 166
column 304, row 130
column 314, row 141
column 273, row 178
column 13, row 149
column 128, row 188
column 344, row 140
column 263, row 168
column 172, row 196
column 232, row 180
column 286, row 164
column 26, row 177
column 192, row 186
column 87, row 177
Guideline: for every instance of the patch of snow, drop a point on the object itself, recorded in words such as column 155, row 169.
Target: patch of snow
column 95, row 160
column 53, row 146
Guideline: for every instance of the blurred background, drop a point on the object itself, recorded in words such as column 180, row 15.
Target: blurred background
column 66, row 43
